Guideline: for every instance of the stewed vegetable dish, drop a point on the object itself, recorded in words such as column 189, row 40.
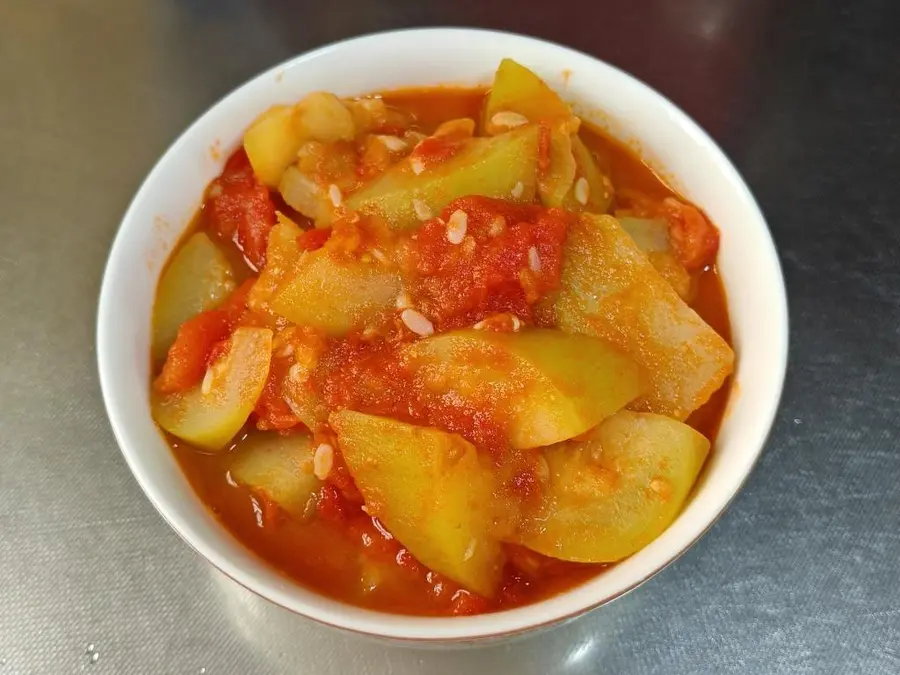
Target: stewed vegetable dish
column 441, row 351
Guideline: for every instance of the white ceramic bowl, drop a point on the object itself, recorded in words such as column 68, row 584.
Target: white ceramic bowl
column 673, row 143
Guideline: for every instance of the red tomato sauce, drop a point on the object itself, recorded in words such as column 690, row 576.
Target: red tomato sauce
column 509, row 258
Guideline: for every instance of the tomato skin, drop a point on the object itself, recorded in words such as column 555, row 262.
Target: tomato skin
column 314, row 239
column 240, row 210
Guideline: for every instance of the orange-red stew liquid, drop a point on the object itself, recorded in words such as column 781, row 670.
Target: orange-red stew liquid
column 325, row 554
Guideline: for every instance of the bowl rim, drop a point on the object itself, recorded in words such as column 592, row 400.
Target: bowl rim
column 441, row 629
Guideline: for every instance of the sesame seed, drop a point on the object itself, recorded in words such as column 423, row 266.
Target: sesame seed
column 534, row 260
column 516, row 323
column 480, row 325
column 417, row 166
column 508, row 119
column 456, row 226
column 517, row 190
column 379, row 255
column 323, row 461
column 417, row 322
column 287, row 350
column 393, row 143
column 582, row 191
column 364, row 509
column 403, row 300
column 498, row 224
column 422, row 211
column 206, row 385
column 334, row 193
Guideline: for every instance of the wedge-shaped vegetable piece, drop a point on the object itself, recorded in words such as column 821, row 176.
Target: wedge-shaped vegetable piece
column 610, row 290
column 431, row 491
column 485, row 166
column 322, row 116
column 517, row 89
column 614, row 493
column 545, row 384
column 333, row 295
column 282, row 256
column 652, row 236
column 271, row 143
column 198, row 278
column 599, row 188
column 281, row 468
column 303, row 194
column 211, row 413
column 557, row 181
column 305, row 403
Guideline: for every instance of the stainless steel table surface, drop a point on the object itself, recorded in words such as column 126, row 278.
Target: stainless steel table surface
column 800, row 576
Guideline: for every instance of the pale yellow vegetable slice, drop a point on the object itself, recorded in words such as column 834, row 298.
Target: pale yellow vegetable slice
column 282, row 257
column 303, row 194
column 492, row 167
column 557, row 181
column 199, row 277
column 210, row 414
column 305, row 402
column 599, row 188
column 546, row 385
column 610, row 290
column 652, row 236
column 322, row 116
column 280, row 468
column 271, row 143
column 430, row 490
column 335, row 296
column 517, row 89
column 614, row 493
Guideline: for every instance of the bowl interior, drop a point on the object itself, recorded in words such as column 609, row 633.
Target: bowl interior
column 171, row 193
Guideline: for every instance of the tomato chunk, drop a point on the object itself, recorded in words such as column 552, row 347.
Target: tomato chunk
column 186, row 363
column 239, row 209
column 694, row 239
column 509, row 258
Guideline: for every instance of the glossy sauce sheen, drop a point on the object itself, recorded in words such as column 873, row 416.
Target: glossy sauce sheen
column 323, row 555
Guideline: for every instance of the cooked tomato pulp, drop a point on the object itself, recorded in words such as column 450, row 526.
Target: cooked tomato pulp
column 367, row 375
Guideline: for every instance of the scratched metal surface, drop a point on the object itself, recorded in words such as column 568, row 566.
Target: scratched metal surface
column 800, row 576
